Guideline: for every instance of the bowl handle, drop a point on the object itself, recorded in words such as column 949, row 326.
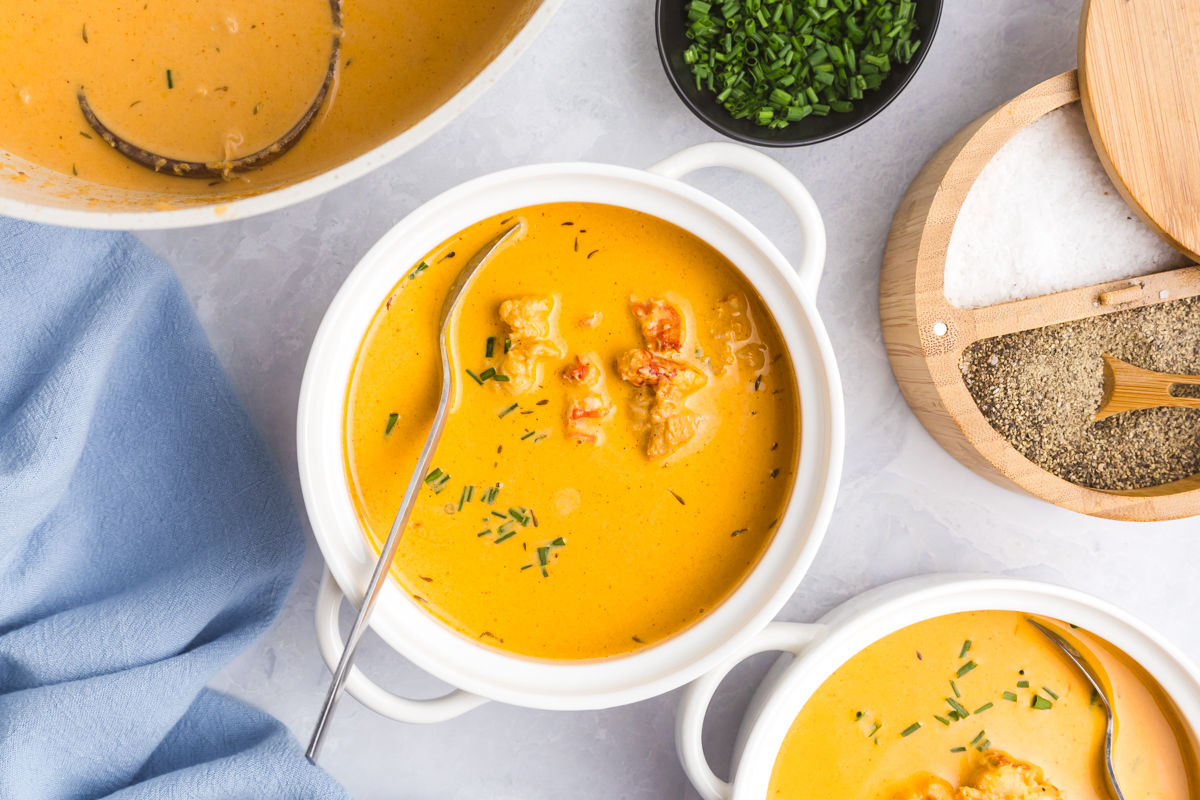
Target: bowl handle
column 362, row 689
column 774, row 175
column 790, row 637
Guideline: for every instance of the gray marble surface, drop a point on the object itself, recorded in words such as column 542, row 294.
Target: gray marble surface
column 592, row 89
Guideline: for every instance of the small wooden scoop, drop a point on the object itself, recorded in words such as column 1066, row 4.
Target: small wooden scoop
column 1127, row 387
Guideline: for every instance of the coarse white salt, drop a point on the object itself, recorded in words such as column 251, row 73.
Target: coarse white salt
column 1043, row 217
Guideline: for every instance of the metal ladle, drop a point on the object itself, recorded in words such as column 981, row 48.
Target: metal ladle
column 1094, row 679
column 449, row 324
column 223, row 168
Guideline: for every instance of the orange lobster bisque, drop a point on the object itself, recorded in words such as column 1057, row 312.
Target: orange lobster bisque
column 242, row 73
column 886, row 725
column 622, row 443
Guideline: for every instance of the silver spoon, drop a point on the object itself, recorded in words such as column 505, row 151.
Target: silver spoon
column 1098, row 685
column 448, row 322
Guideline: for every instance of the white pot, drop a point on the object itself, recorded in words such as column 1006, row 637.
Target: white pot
column 485, row 673
column 55, row 199
column 813, row 652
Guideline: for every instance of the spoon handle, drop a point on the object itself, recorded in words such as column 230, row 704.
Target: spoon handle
column 1080, row 661
column 446, row 330
column 381, row 571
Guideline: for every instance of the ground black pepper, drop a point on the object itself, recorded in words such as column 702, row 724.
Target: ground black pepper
column 1039, row 389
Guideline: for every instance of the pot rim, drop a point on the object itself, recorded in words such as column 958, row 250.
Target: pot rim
column 308, row 188
column 870, row 616
column 494, row 674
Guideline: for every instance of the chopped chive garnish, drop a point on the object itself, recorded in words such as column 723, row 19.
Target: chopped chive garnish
column 965, row 649
column 975, row 741
column 983, row 745
column 677, row 497
column 543, row 436
column 1010, row 697
column 464, row 497
column 911, row 729
column 484, row 532
column 1022, row 684
column 391, row 423
column 500, row 378
column 507, row 345
column 942, row 720
column 85, row 135
column 434, row 475
column 559, row 542
column 1040, row 703
column 958, row 749
column 475, row 377
column 490, row 347
column 767, row 63
column 967, row 667
column 526, row 436
column 470, row 493
column 170, row 80
column 874, row 730
column 954, row 716
column 955, row 688
column 527, row 566
column 958, row 707
column 506, row 527
column 487, row 373
column 983, row 708
column 500, row 515
column 505, row 537
column 543, row 556
column 517, row 515
column 1047, row 691
column 508, row 410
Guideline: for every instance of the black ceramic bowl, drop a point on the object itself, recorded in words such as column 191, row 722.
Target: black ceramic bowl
column 671, row 25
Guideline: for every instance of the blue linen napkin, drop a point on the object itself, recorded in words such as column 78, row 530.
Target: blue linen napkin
column 146, row 537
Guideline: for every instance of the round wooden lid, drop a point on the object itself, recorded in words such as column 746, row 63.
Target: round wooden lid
column 1139, row 79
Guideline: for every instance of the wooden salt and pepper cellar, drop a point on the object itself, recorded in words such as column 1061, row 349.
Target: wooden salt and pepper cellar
column 1140, row 101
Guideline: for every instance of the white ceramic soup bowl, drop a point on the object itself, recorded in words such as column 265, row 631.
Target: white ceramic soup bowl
column 55, row 199
column 481, row 672
column 811, row 653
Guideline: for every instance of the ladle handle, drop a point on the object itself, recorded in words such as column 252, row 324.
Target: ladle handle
column 790, row 637
column 365, row 691
column 774, row 175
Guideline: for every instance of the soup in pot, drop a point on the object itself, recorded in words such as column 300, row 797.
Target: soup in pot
column 981, row 706
column 623, row 438
column 210, row 81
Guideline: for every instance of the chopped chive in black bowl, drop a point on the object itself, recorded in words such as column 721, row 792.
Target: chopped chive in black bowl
column 823, row 67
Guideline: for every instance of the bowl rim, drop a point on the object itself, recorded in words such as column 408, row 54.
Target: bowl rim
column 868, row 617
column 494, row 674
column 292, row 193
column 708, row 119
